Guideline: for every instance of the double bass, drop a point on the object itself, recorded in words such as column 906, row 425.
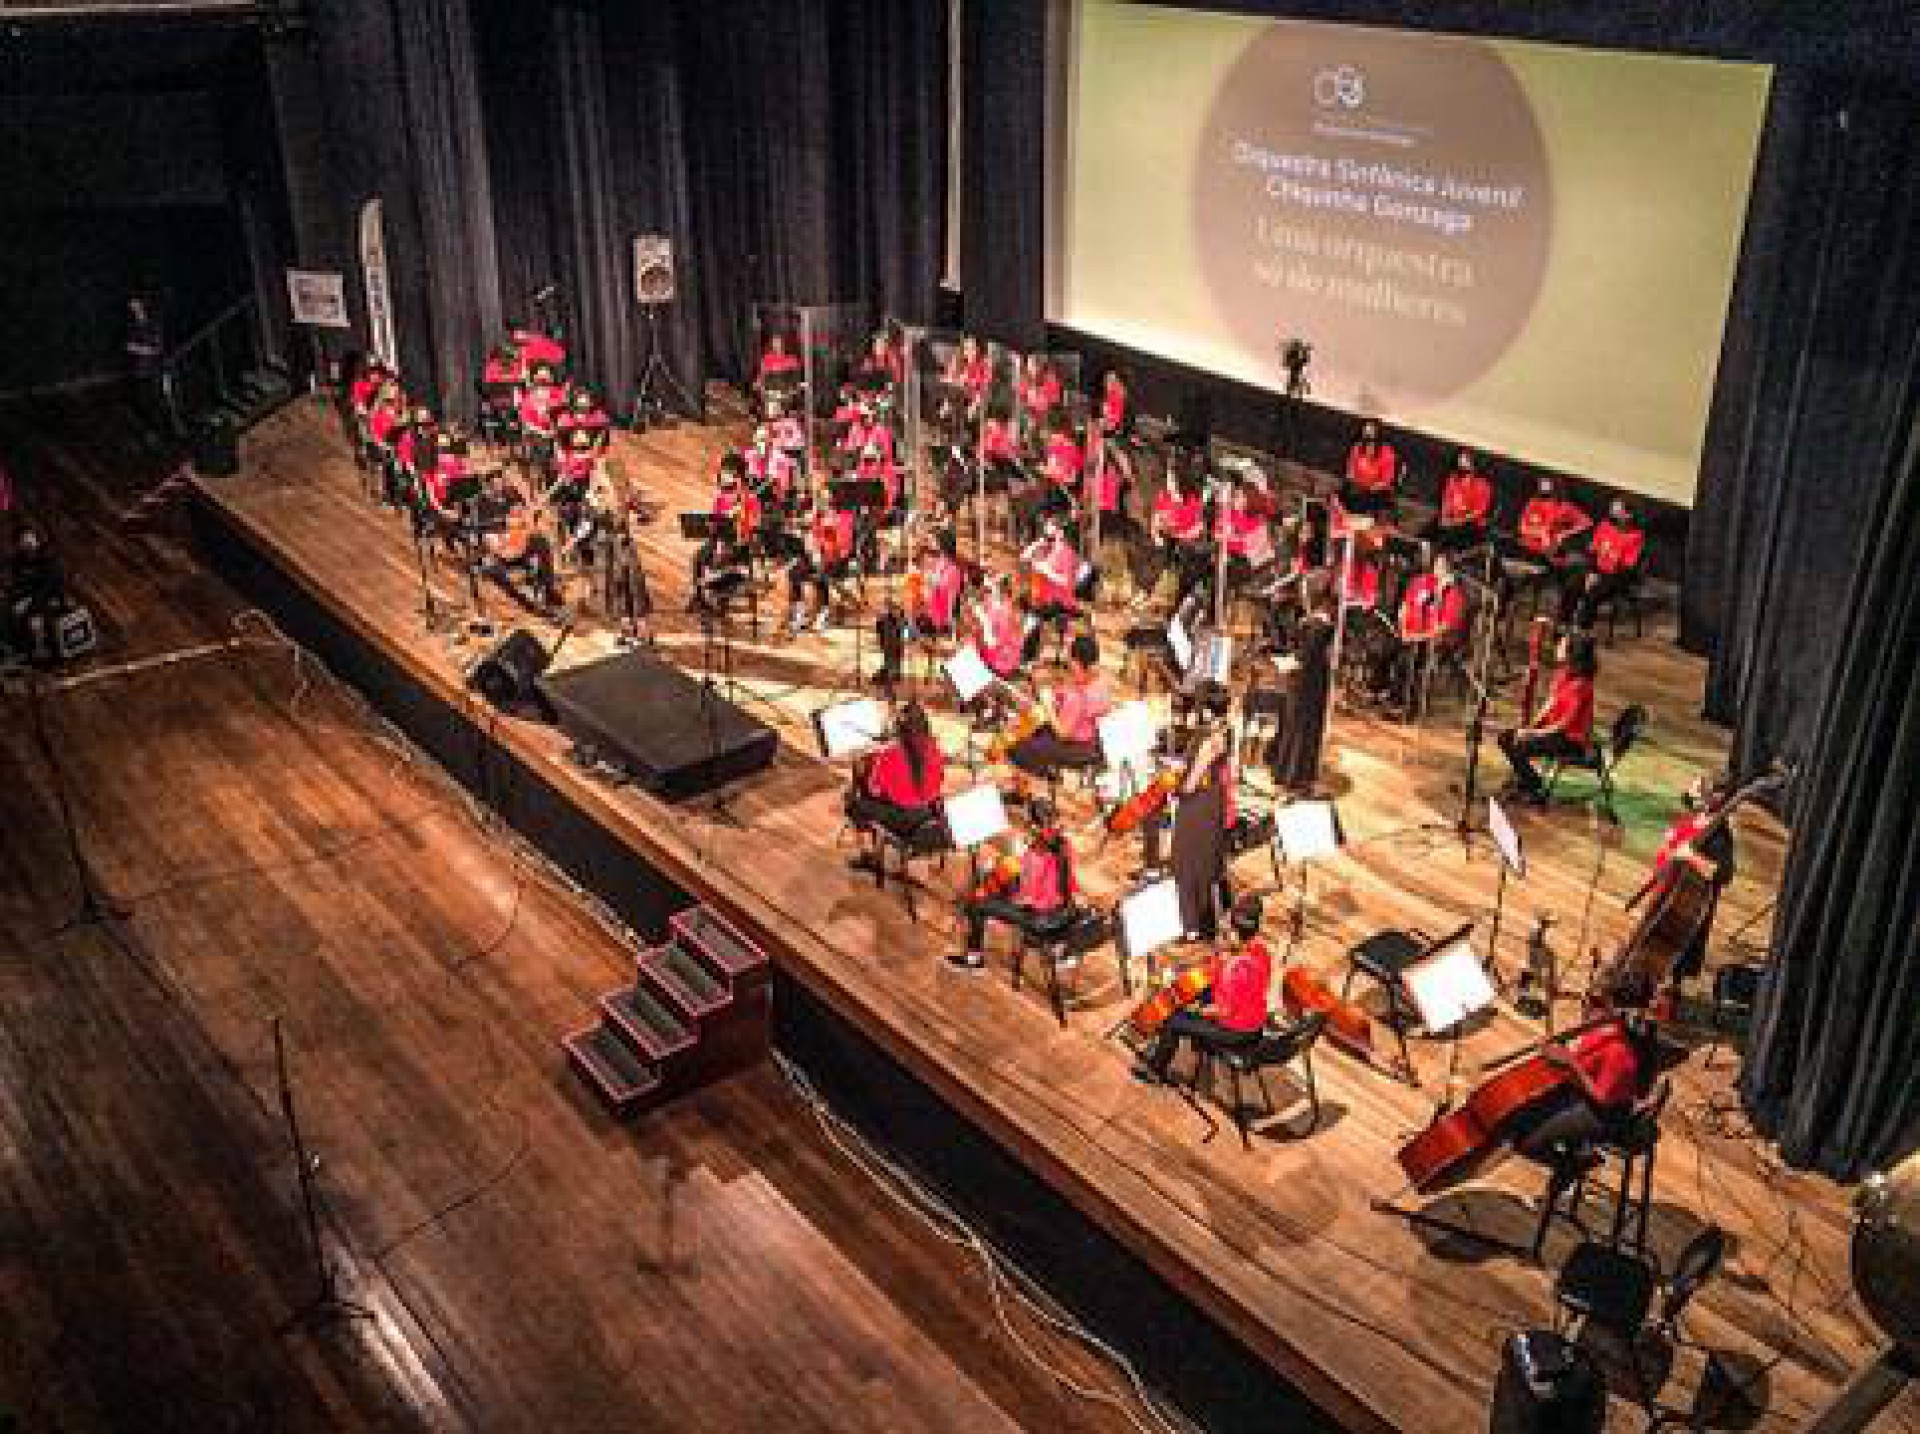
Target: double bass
column 1680, row 906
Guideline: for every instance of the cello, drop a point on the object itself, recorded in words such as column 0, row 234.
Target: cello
column 1303, row 993
column 1459, row 1139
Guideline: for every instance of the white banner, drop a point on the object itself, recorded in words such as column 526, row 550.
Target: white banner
column 319, row 298
column 373, row 265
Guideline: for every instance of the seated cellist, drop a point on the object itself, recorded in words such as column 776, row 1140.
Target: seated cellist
column 1236, row 1010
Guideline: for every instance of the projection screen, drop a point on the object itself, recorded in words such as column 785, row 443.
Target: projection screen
column 1524, row 248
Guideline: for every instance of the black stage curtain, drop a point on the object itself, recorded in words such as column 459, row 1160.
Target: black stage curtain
column 404, row 125
column 1834, row 1072
column 794, row 153
column 1816, row 393
column 1003, row 143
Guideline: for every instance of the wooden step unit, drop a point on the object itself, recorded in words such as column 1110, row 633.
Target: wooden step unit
column 695, row 1011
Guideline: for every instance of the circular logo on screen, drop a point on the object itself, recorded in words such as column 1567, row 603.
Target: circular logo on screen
column 1384, row 197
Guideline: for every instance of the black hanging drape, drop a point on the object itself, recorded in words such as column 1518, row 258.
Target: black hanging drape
column 1003, row 148
column 1816, row 384
column 404, row 116
column 1834, row 1072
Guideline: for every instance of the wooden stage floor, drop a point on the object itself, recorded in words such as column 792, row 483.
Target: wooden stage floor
column 1381, row 1325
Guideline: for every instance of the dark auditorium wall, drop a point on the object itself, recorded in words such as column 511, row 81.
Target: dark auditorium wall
column 116, row 178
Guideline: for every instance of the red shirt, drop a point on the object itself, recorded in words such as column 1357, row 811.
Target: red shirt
column 536, row 408
column 1180, row 518
column 997, row 444
column 1001, row 638
column 1113, row 409
column 1684, row 829
column 1245, row 534
column 1608, row 1061
column 1372, row 466
column 1546, row 523
column 1058, row 569
column 441, row 477
column 972, row 374
column 1569, row 708
column 1064, row 460
column 1467, row 498
column 381, row 423
column 833, row 535
column 944, row 580
column 1240, row 987
column 1046, row 881
column 1616, row 549
column 891, row 776
column 742, row 506
column 1103, row 486
column 1427, row 608
column 537, row 348
column 778, row 361
column 1363, row 584
column 1039, row 395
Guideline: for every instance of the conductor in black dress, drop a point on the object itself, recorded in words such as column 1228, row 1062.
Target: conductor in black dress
column 1303, row 731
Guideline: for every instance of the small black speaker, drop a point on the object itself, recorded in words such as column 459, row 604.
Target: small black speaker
column 505, row 676
column 1547, row 1386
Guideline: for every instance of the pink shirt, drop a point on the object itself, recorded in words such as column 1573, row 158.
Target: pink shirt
column 1246, row 536
column 1059, row 571
column 1240, row 987
column 1079, row 707
column 1045, row 883
column 1103, row 486
column 1002, row 637
column 536, row 409
column 537, row 348
column 1064, row 460
column 943, row 590
column 1179, row 517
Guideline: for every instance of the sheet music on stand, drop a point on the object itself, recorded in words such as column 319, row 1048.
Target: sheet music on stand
column 1181, row 643
column 1449, row 985
column 850, row 729
column 969, row 674
column 1307, row 830
column 975, row 816
column 1505, row 839
column 1149, row 919
column 1128, row 736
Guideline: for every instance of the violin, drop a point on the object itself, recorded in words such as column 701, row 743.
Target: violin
column 998, row 881
column 1303, row 993
column 1025, row 723
column 1137, row 809
column 1185, row 989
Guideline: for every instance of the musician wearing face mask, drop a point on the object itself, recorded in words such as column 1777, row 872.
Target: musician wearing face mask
column 1373, row 469
column 1466, row 508
column 1070, row 735
column 1033, row 892
column 1563, row 728
column 1610, row 1069
column 1701, row 842
column 1237, row 1006
column 1606, row 570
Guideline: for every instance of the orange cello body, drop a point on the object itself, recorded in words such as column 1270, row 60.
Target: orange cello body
column 998, row 881
column 1302, row 993
column 1142, row 804
column 1185, row 989
column 1465, row 1135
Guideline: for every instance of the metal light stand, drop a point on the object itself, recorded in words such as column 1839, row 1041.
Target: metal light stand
column 1480, row 679
column 327, row 1301
column 96, row 908
column 657, row 383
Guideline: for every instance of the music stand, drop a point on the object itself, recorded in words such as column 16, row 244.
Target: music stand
column 1513, row 857
column 1145, row 920
column 969, row 676
column 1129, row 736
column 1448, row 986
column 849, row 729
column 1304, row 832
column 974, row 818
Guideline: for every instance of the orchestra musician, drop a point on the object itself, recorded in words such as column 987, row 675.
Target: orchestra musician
column 499, row 377
column 540, row 399
column 1606, row 570
column 1236, row 1009
column 1373, row 468
column 1246, row 530
column 521, row 550
column 582, row 413
column 624, row 596
column 1709, row 852
column 933, row 608
column 1611, row 1068
column 1206, row 812
column 1295, row 754
column 998, row 632
column 970, row 372
column 1563, row 728
column 1041, row 897
column 1065, row 463
column 1466, row 507
column 385, row 422
column 898, row 787
column 1000, row 452
column 825, row 556
column 778, row 371
column 1549, row 524
column 1069, row 737
column 1177, row 528
column 723, row 561
column 1053, row 597
column 537, row 349
column 1116, row 424
column 1433, row 619
column 1038, row 392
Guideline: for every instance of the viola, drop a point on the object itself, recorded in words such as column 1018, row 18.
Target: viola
column 1185, row 989
column 998, row 881
column 1536, row 644
column 1024, row 724
column 1303, row 993
column 1143, row 804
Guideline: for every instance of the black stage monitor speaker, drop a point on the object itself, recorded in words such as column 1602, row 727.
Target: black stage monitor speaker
column 1547, row 1386
column 652, row 269
column 506, row 676
column 666, row 730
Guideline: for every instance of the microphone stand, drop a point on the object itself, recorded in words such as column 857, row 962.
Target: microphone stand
column 327, row 1301
column 1480, row 679
column 96, row 907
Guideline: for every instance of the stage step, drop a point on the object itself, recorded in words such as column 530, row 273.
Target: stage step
column 685, row 981
column 696, row 1011
column 651, row 1027
column 608, row 1063
column 738, row 961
